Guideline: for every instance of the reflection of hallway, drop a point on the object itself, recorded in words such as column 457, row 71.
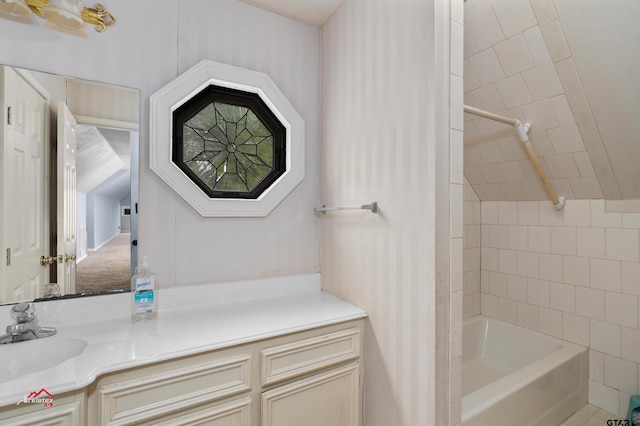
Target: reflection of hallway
column 108, row 268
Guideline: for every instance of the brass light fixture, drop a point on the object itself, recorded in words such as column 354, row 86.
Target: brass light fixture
column 70, row 14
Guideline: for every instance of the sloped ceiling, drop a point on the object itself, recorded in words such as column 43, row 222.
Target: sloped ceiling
column 569, row 68
column 98, row 159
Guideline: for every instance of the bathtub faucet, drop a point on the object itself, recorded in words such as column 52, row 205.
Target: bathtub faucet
column 26, row 327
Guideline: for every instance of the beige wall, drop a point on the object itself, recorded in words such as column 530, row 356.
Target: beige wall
column 387, row 137
column 573, row 274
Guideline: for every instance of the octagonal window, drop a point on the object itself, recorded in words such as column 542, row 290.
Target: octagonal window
column 229, row 143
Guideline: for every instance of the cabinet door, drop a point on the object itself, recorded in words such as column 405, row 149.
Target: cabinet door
column 328, row 398
column 234, row 413
column 62, row 415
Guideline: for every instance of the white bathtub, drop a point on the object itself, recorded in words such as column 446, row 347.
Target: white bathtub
column 511, row 375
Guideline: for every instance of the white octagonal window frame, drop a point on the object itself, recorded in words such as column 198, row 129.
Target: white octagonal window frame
column 166, row 100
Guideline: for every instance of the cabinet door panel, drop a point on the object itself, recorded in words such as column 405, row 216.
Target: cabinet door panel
column 135, row 400
column 62, row 415
column 302, row 357
column 328, row 398
column 234, row 413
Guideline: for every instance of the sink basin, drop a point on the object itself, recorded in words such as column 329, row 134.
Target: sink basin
column 19, row 359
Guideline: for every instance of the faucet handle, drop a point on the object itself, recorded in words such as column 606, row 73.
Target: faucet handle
column 23, row 312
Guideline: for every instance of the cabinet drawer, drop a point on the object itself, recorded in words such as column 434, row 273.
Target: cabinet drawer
column 148, row 396
column 295, row 359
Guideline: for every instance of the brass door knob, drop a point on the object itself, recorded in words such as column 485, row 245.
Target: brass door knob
column 70, row 257
column 49, row 260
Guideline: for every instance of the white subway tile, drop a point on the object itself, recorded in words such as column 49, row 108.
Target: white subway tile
column 625, row 206
column 575, row 270
column 585, row 187
column 471, row 305
column 575, row 329
column 623, row 244
column 566, row 139
column 591, row 137
column 508, row 261
column 605, row 337
column 591, row 242
column 498, row 284
column 489, row 259
column 630, row 278
column 517, row 288
column 527, row 212
column 549, row 216
column 514, row 16
column 562, row 297
column 489, row 305
column 537, row 45
column 556, row 43
column 488, row 98
column 541, row 114
column 507, row 310
column 577, row 213
column 606, row 275
column 508, row 213
column 499, row 236
column 543, row 81
column 604, row 397
column 518, row 237
column 551, row 267
column 486, row 66
column 489, row 211
column 484, row 29
column 583, row 161
column 631, row 220
column 631, row 344
column 600, row 218
column 590, row 303
column 563, row 240
column 569, row 77
column 596, row 366
column 620, row 374
column 511, row 149
column 540, row 239
column 561, row 107
column 550, row 322
column 512, row 191
column 562, row 166
column 528, row 264
column 621, row 309
column 514, row 55
column 580, row 108
column 538, row 292
column 544, row 10
column 527, row 316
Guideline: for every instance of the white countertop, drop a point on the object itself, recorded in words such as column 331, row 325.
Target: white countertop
column 191, row 320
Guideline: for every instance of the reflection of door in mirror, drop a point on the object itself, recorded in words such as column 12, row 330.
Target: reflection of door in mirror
column 56, row 219
column 104, row 209
column 22, row 150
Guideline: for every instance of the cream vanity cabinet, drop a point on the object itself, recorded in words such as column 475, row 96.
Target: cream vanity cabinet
column 307, row 378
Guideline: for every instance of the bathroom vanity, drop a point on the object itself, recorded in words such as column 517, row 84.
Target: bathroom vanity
column 267, row 352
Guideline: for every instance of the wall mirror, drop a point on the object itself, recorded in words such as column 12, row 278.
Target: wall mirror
column 68, row 186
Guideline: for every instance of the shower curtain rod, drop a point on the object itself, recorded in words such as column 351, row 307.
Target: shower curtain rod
column 523, row 130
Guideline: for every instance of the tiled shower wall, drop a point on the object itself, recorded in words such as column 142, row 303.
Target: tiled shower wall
column 572, row 274
column 471, row 253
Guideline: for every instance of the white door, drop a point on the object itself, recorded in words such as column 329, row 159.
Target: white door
column 22, row 164
column 66, row 200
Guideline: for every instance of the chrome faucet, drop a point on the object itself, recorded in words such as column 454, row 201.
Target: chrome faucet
column 26, row 327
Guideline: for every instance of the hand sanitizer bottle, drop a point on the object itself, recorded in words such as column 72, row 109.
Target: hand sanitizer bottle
column 144, row 293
